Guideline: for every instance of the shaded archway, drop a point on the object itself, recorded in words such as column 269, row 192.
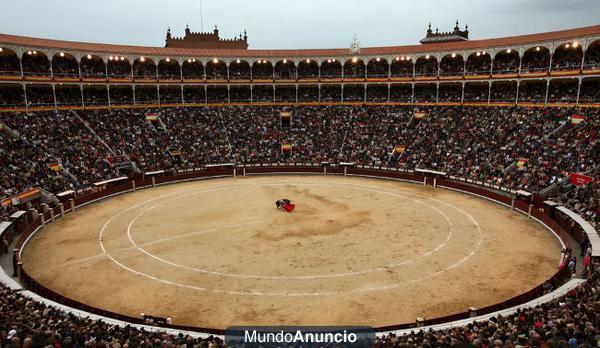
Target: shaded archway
column 239, row 70
column 146, row 94
column 262, row 70
column 285, row 70
column 331, row 93
column 450, row 92
column 535, row 60
column 285, row 93
column 592, row 56
column 506, row 62
column 354, row 93
column 192, row 69
column 92, row 66
column 532, row 91
column 567, row 56
column 262, row 93
column 119, row 67
column 95, row 95
column 35, row 63
column 478, row 63
column 144, row 68
column 216, row 70
column 64, row 65
column 452, row 65
column 590, row 91
column 240, row 94
column 168, row 69
column 308, row 93
column 378, row 68
column 331, row 69
column 354, row 69
column 308, row 69
column 120, row 94
column 39, row 95
column 425, row 92
column 12, row 95
column 402, row 67
column 426, row 66
column 9, row 63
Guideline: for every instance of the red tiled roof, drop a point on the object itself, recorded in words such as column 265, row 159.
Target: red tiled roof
column 86, row 47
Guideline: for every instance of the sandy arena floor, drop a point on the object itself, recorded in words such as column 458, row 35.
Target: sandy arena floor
column 216, row 253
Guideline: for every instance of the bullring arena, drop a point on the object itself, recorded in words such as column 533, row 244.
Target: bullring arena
column 355, row 250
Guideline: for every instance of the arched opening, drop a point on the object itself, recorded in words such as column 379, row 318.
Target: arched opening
column 535, row 60
column 119, row 68
column 262, row 93
column 285, row 94
column 503, row 92
column 425, row 92
column 144, row 69
column 168, row 69
column 532, row 91
column 478, row 63
column 39, row 95
column 216, row 70
column 401, row 92
column 308, row 93
column 506, row 62
column 592, row 56
column 426, row 66
column 308, row 69
column 64, row 65
column 192, row 69
column 476, row 92
column 354, row 93
column 452, row 65
column 402, row 67
column 216, row 94
column 285, row 70
column 331, row 93
column 239, row 70
column 121, row 95
column 331, row 69
column 450, row 92
column 563, row 91
column 92, row 66
column 9, row 63
column 35, row 64
column 377, row 93
column 262, row 70
column 12, row 95
column 590, row 91
column 567, row 56
column 68, row 95
column 378, row 68
column 170, row 94
column 354, row 69
column 146, row 94
column 95, row 95
column 194, row 94
column 240, row 94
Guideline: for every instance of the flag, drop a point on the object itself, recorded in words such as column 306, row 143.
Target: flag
column 577, row 119
column 175, row 153
column 289, row 207
column 419, row 115
column 399, row 150
column 152, row 117
column 521, row 162
column 579, row 179
column 55, row 166
column 286, row 148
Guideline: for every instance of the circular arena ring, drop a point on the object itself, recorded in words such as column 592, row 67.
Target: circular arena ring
column 209, row 254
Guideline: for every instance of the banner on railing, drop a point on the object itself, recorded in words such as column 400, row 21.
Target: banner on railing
column 22, row 197
column 419, row 115
column 56, row 166
column 286, row 149
column 522, row 162
column 579, row 179
column 399, row 150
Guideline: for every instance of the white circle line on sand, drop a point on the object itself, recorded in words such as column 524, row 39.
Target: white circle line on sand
column 283, row 294
column 254, row 276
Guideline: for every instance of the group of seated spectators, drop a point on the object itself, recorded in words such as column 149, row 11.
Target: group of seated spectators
column 519, row 148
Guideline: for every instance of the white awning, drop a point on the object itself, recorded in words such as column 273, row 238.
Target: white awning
column 587, row 228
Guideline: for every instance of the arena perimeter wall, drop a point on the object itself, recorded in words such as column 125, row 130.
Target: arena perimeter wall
column 558, row 223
